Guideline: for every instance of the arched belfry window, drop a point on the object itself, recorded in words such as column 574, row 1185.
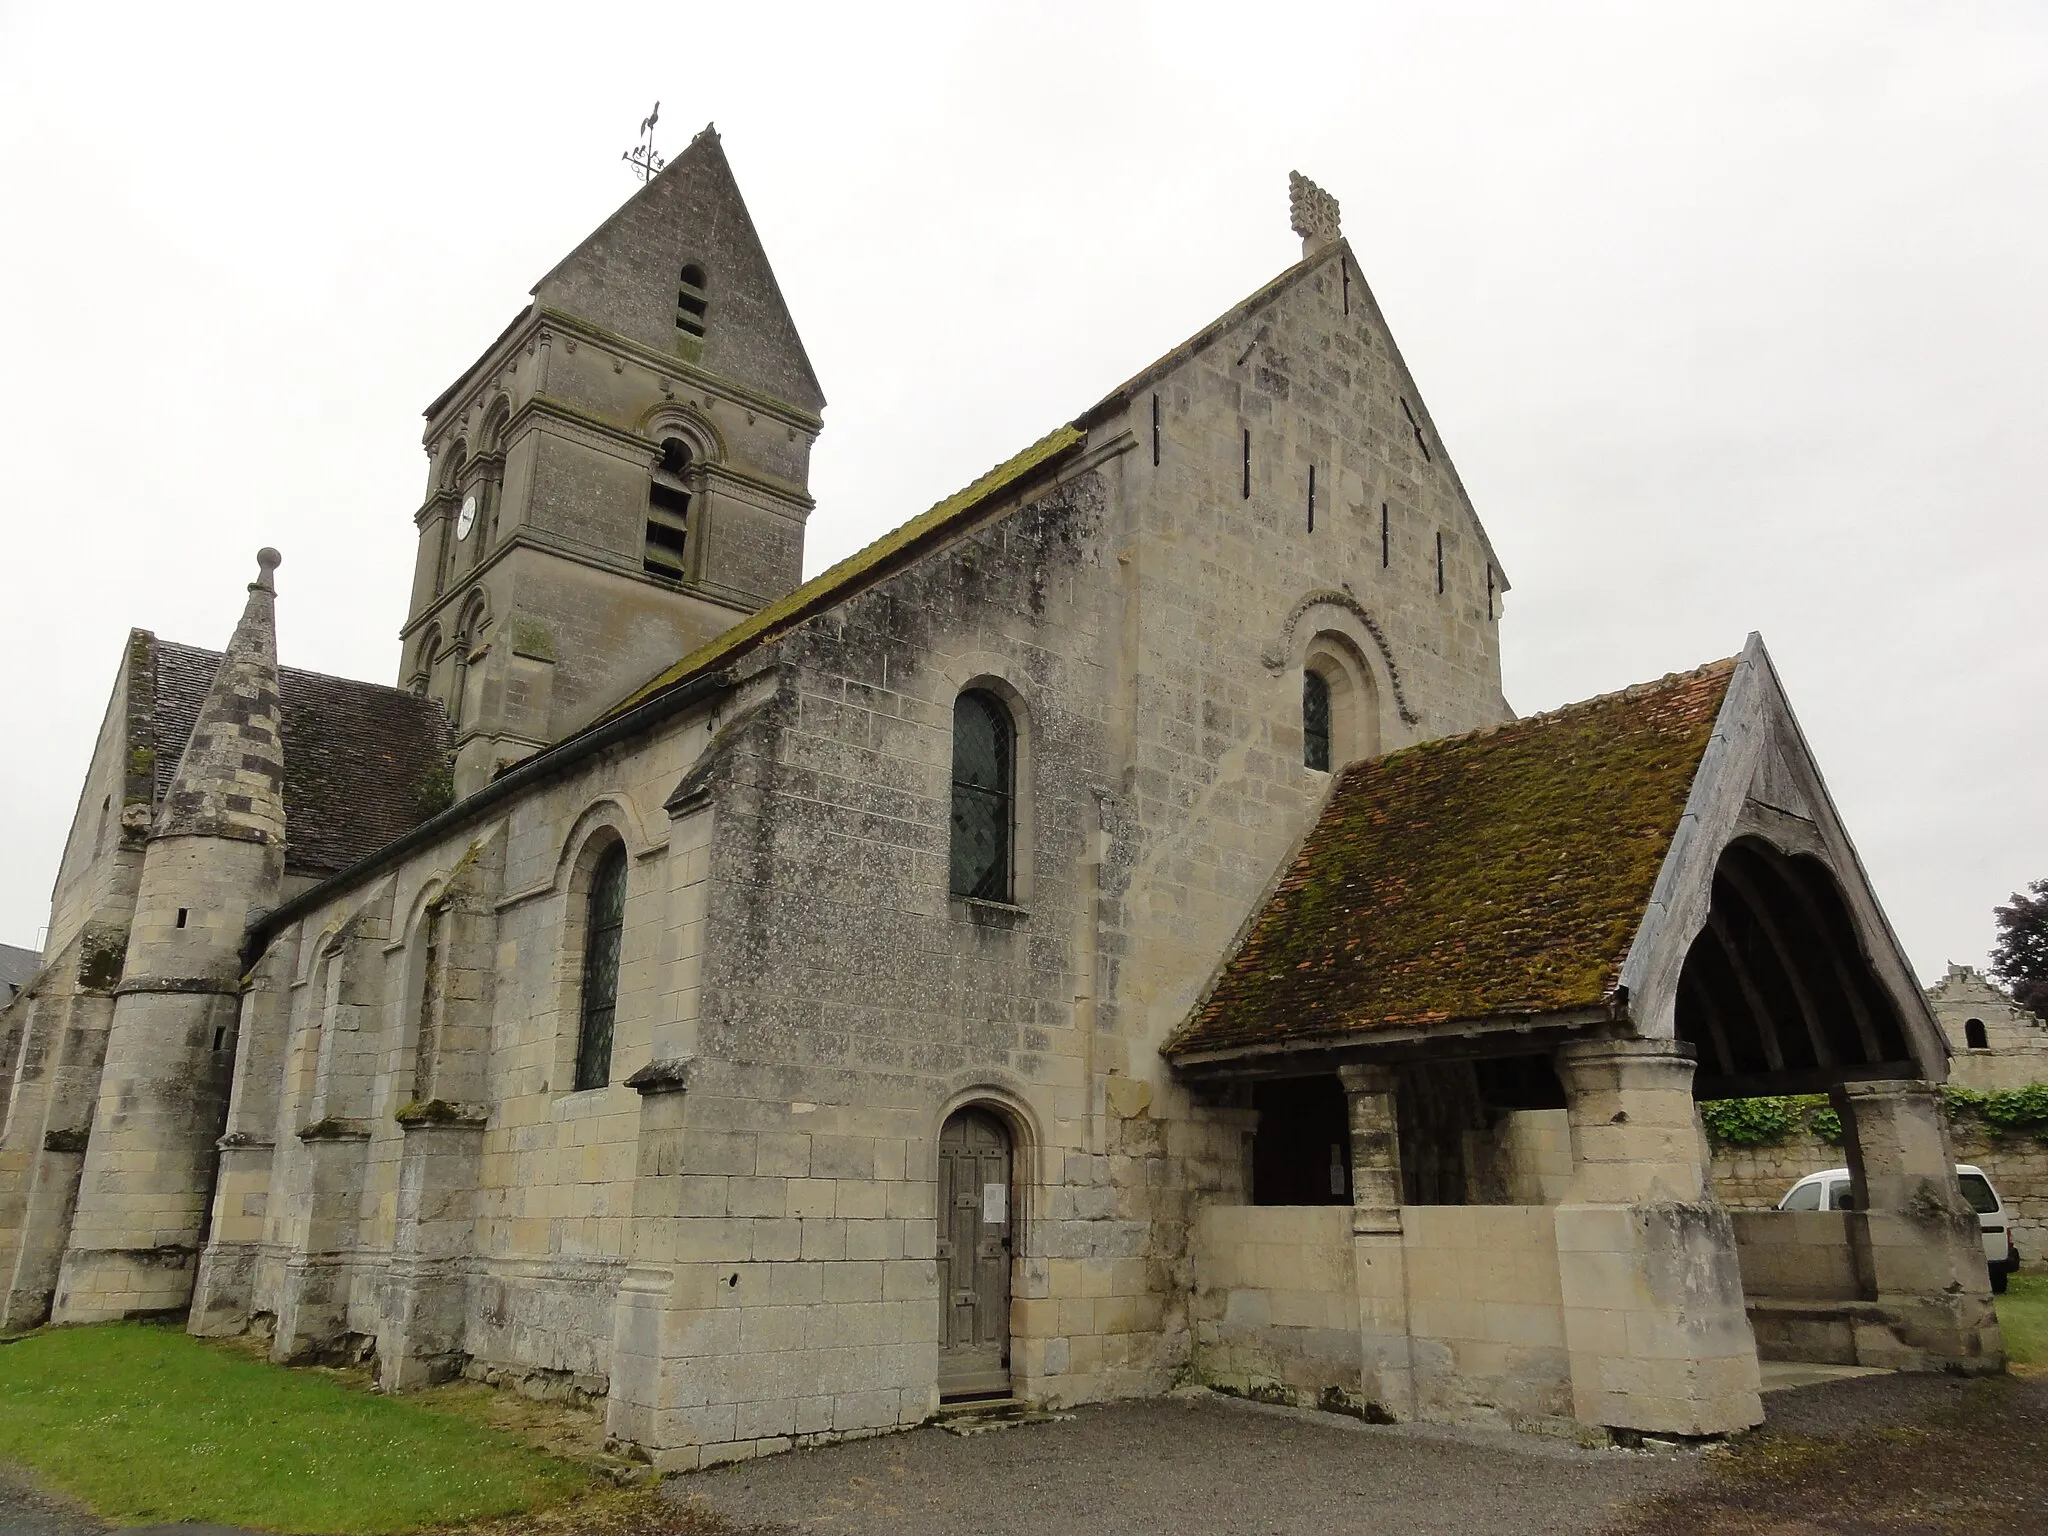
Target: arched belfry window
column 692, row 302
column 1974, row 1036
column 668, row 512
column 1315, row 721
column 984, row 769
column 604, row 928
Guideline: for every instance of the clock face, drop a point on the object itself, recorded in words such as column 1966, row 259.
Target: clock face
column 466, row 518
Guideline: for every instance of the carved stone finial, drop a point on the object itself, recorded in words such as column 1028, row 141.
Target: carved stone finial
column 267, row 560
column 1313, row 213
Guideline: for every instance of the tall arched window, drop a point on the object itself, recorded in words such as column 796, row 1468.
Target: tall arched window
column 984, row 765
column 604, row 927
column 1974, row 1036
column 1315, row 721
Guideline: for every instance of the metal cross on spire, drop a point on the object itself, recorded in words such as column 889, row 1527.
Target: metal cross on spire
column 643, row 157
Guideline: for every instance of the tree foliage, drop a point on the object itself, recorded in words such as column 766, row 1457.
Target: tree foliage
column 2019, row 958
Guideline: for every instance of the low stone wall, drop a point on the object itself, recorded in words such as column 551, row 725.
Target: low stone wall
column 1796, row 1255
column 1276, row 1309
column 1485, row 1313
column 1276, row 1301
column 1756, row 1178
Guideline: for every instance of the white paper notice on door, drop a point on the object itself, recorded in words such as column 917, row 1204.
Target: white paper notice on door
column 995, row 1203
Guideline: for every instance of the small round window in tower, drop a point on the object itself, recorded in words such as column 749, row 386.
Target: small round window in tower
column 692, row 301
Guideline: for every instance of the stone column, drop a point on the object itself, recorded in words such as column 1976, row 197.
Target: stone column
column 1387, row 1374
column 642, row 1407
column 1919, row 1253
column 1653, row 1308
column 424, row 1327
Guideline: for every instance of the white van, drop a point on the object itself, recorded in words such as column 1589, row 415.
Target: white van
column 1828, row 1190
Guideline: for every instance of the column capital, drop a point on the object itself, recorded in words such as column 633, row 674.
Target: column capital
column 1366, row 1077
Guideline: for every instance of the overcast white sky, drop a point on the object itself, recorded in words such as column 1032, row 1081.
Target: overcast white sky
column 1732, row 316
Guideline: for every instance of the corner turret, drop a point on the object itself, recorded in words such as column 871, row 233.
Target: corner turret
column 214, row 860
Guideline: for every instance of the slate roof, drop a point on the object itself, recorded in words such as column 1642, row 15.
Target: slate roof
column 17, row 968
column 357, row 756
column 1498, row 874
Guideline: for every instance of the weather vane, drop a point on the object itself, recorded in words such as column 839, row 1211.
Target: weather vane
column 642, row 156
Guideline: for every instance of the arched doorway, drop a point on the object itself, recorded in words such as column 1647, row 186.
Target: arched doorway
column 975, row 1215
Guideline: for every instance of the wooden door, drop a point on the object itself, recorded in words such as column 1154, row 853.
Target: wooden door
column 974, row 1255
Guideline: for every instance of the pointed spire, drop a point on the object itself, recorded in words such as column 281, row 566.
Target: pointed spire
column 230, row 779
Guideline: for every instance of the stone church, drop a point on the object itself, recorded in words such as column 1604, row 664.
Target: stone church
column 1109, row 935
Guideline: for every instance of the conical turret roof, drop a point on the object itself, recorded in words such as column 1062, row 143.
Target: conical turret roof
column 230, row 780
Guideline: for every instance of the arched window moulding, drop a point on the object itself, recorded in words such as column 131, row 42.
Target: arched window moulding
column 1286, row 646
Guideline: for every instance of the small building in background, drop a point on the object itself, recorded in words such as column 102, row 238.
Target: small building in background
column 1993, row 1042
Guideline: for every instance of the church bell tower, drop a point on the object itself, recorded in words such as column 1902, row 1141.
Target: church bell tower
column 619, row 478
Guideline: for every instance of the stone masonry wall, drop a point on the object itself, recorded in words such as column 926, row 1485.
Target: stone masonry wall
column 1756, row 1178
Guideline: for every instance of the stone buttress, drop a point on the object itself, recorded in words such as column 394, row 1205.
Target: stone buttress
column 214, row 858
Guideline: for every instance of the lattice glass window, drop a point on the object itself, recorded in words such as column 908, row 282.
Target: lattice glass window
column 1315, row 721
column 602, row 932
column 983, row 764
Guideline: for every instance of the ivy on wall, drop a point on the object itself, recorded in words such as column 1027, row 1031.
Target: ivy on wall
column 1767, row 1122
column 2012, row 1110
column 1771, row 1121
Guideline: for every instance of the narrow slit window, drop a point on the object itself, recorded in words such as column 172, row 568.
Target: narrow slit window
column 1344, row 266
column 1439, row 565
column 1155, row 431
column 1489, row 593
column 693, row 304
column 1315, row 721
column 1247, row 485
column 1416, row 427
column 603, row 934
column 1386, row 538
column 181, row 917
column 1311, row 498
column 668, row 513
column 984, row 770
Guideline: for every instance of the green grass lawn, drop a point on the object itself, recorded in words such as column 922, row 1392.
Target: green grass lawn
column 145, row 1424
column 2023, row 1318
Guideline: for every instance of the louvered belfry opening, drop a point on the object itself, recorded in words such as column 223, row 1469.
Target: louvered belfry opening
column 668, row 513
column 1777, row 995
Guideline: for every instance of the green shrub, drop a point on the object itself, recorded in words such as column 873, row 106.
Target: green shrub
column 2011, row 1110
column 1767, row 1122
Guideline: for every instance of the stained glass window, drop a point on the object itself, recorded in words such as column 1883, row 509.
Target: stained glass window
column 602, row 931
column 982, row 768
column 1315, row 721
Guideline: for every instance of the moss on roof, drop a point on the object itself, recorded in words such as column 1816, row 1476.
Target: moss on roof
column 842, row 580
column 1501, row 873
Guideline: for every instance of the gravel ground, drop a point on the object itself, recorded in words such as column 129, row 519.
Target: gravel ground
column 1884, row 1454
column 1198, row 1466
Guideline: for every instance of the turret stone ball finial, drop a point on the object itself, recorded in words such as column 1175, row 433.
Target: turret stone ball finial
column 267, row 560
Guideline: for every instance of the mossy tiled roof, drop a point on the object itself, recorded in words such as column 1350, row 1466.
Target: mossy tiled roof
column 841, row 581
column 1501, row 873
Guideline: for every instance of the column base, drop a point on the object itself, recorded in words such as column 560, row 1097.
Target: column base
column 222, row 1295
column 1655, row 1326
column 104, row 1285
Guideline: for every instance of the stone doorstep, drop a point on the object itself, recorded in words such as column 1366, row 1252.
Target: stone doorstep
column 1784, row 1375
column 981, row 1415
